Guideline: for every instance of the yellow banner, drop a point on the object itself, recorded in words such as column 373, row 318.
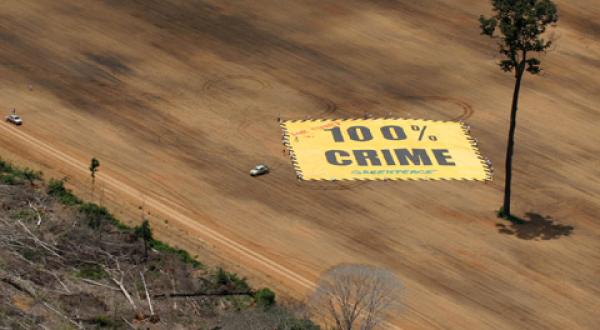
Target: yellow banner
column 383, row 149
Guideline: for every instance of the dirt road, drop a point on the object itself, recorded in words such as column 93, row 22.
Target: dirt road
column 179, row 99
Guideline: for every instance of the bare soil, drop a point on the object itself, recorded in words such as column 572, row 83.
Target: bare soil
column 179, row 99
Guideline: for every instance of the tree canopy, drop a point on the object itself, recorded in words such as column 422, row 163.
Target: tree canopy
column 94, row 164
column 521, row 24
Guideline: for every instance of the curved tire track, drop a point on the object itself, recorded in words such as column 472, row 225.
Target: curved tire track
column 465, row 106
column 214, row 83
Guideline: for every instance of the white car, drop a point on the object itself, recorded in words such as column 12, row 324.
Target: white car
column 14, row 119
column 259, row 170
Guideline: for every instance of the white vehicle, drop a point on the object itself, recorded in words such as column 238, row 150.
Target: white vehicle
column 14, row 119
column 259, row 170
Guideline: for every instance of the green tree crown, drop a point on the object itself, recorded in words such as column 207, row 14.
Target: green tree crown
column 521, row 24
column 144, row 231
column 94, row 164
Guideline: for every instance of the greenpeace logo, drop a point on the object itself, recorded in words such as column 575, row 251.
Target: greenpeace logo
column 391, row 172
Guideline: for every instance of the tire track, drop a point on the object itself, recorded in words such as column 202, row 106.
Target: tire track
column 169, row 212
column 161, row 207
column 330, row 185
column 467, row 109
column 218, row 83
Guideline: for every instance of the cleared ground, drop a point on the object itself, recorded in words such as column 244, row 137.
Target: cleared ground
column 179, row 99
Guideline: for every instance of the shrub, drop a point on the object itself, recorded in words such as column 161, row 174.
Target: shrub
column 144, row 232
column 183, row 254
column 223, row 277
column 33, row 255
column 31, row 175
column 5, row 166
column 57, row 189
column 96, row 214
column 264, row 297
column 12, row 175
column 10, row 179
column 92, row 272
column 102, row 321
column 24, row 214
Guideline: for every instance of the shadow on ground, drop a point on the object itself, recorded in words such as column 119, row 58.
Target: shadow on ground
column 535, row 227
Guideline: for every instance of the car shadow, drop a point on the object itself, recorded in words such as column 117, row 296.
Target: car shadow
column 535, row 227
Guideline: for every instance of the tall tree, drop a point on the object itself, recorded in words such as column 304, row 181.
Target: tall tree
column 94, row 165
column 521, row 24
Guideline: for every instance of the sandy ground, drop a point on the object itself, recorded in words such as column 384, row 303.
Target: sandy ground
column 179, row 99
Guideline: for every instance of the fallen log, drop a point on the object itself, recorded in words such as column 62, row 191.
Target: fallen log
column 201, row 294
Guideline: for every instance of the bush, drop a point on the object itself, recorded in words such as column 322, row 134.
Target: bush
column 264, row 297
column 143, row 231
column 12, row 175
column 102, row 321
column 57, row 189
column 24, row 214
column 183, row 254
column 96, row 214
column 33, row 254
column 6, row 166
column 10, row 179
column 92, row 272
column 31, row 175
column 223, row 277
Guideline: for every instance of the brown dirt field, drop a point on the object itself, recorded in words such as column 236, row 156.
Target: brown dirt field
column 179, row 99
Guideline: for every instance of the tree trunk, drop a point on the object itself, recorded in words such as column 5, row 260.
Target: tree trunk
column 93, row 186
column 511, row 140
column 145, row 250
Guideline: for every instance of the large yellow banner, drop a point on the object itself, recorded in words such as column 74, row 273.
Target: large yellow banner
column 383, row 149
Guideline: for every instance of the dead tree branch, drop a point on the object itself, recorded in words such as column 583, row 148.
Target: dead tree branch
column 200, row 294
column 37, row 212
column 18, row 283
column 147, row 295
column 100, row 284
column 119, row 282
column 356, row 296
column 79, row 326
column 38, row 241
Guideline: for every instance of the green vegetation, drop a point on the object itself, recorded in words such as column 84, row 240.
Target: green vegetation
column 31, row 175
column 231, row 280
column 92, row 272
column 265, row 297
column 101, row 220
column 57, row 189
column 102, row 321
column 96, row 215
column 32, row 254
column 94, row 165
column 12, row 175
column 144, row 232
column 183, row 254
column 25, row 215
column 520, row 25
